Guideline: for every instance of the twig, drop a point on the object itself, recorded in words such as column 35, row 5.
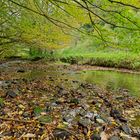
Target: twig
column 15, row 120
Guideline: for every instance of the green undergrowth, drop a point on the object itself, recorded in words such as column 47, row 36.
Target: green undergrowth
column 116, row 59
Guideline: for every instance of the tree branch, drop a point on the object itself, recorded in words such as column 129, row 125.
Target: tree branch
column 124, row 4
column 104, row 20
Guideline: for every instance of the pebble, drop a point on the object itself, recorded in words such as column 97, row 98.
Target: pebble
column 95, row 137
column 100, row 121
column 126, row 129
column 115, row 114
column 11, row 94
column 85, row 122
column 60, row 134
column 114, row 138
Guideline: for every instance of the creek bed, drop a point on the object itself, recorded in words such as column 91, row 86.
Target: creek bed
column 80, row 104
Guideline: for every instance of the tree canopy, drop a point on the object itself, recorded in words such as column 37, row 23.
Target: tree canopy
column 55, row 23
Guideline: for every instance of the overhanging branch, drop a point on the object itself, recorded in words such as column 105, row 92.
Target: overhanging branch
column 124, row 4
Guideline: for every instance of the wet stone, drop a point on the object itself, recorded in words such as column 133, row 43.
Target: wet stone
column 114, row 138
column 68, row 118
column 60, row 134
column 85, row 122
column 99, row 120
column 122, row 119
column 115, row 114
column 11, row 94
column 95, row 137
column 74, row 112
column 89, row 115
column 85, row 106
column 82, row 112
column 126, row 129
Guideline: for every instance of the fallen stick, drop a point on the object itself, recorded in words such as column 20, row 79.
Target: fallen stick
column 15, row 120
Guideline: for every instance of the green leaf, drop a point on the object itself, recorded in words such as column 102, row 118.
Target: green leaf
column 37, row 110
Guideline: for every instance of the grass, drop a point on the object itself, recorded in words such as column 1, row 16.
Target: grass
column 88, row 52
column 117, row 59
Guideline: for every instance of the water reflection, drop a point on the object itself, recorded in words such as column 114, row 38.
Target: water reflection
column 112, row 80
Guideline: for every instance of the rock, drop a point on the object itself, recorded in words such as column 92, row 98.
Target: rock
column 89, row 115
column 122, row 119
column 21, row 70
column 73, row 112
column 107, row 103
column 60, row 134
column 114, row 138
column 85, row 106
column 126, row 137
column 95, row 137
column 126, row 129
column 100, row 121
column 11, row 94
column 68, row 118
column 115, row 114
column 54, row 104
column 82, row 112
column 84, row 122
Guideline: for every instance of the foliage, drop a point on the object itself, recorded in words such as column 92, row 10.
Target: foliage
column 56, row 24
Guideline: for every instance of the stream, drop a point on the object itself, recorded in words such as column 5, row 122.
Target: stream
column 113, row 80
column 110, row 80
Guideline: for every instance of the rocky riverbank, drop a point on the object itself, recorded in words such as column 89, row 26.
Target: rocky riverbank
column 42, row 101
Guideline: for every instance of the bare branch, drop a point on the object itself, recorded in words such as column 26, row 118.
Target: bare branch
column 94, row 25
column 124, row 4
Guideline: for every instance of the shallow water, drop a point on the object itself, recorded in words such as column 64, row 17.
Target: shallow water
column 110, row 80
column 113, row 80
